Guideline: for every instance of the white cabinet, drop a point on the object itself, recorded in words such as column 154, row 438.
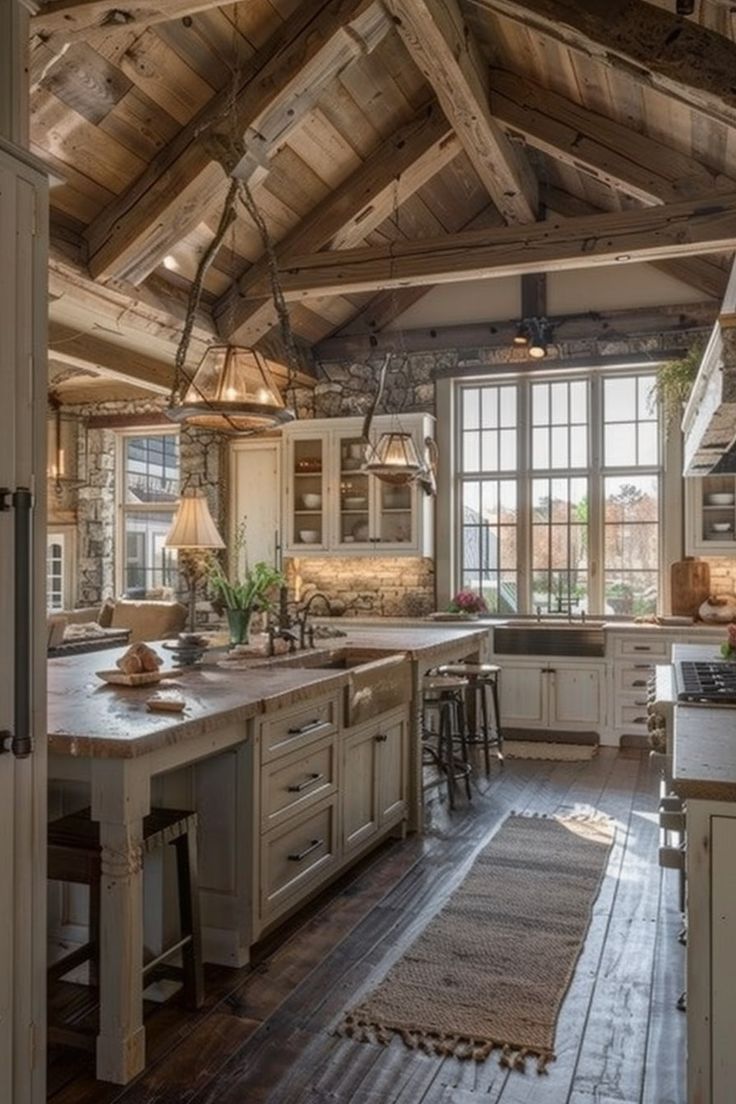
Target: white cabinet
column 710, row 515
column 331, row 505
column 374, row 779
column 554, row 693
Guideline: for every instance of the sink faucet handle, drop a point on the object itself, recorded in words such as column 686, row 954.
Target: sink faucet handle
column 539, row 613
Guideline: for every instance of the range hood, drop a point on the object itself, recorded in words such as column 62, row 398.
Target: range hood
column 709, row 421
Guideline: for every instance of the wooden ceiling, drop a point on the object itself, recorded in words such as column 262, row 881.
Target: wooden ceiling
column 370, row 127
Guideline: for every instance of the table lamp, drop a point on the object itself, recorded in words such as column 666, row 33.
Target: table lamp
column 193, row 530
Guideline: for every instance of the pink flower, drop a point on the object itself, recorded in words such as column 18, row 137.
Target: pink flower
column 467, row 601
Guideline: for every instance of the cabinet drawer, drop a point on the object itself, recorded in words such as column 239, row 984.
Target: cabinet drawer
column 296, row 782
column 294, row 729
column 638, row 646
column 632, row 712
column 632, row 678
column 295, row 857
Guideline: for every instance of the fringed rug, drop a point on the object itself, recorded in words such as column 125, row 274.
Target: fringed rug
column 491, row 969
column 538, row 749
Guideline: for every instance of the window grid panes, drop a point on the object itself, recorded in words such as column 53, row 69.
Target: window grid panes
column 150, row 492
column 539, row 507
column 55, row 574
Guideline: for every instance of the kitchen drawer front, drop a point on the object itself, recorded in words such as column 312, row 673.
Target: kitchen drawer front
column 297, row 728
column 632, row 678
column 295, row 857
column 293, row 783
column 631, row 712
column 641, row 646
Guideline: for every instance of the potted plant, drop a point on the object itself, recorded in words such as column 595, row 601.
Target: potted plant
column 674, row 382
column 242, row 596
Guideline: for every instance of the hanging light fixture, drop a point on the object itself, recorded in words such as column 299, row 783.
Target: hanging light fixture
column 539, row 332
column 521, row 337
column 395, row 459
column 233, row 390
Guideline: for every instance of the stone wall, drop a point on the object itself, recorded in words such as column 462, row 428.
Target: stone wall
column 722, row 574
column 388, row 586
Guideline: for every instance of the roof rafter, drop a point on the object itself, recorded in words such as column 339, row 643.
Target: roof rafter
column 397, row 168
column 277, row 88
column 67, row 20
column 679, row 58
column 652, row 233
column 445, row 50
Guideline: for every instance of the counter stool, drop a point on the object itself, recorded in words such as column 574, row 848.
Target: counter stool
column 74, row 855
column 482, row 678
column 446, row 696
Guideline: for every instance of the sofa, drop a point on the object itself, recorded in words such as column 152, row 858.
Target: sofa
column 144, row 620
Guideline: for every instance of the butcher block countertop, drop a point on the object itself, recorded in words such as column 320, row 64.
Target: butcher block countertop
column 88, row 718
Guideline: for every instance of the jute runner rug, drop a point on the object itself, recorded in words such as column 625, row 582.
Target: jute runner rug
column 491, row 969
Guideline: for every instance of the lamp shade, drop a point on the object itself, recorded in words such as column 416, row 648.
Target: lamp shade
column 233, row 390
column 395, row 459
column 193, row 525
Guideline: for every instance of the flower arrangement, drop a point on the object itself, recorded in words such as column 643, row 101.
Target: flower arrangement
column 728, row 648
column 468, row 602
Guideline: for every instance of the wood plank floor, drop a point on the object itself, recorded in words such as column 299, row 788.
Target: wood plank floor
column 265, row 1032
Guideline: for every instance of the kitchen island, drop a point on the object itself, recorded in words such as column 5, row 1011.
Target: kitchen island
column 289, row 790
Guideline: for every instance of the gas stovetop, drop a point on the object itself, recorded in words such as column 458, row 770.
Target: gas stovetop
column 706, row 682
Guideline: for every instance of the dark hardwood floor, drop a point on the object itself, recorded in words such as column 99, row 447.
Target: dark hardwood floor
column 265, row 1032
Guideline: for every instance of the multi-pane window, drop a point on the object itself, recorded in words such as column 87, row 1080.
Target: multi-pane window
column 558, row 490
column 149, row 495
column 55, row 571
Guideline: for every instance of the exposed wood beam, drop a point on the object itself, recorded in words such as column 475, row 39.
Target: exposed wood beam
column 610, row 151
column 66, row 20
column 88, row 350
column 679, row 58
column 651, row 234
column 600, row 326
column 397, row 169
column 277, row 87
column 698, row 272
column 445, row 50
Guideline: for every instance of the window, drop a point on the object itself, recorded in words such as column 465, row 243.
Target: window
column 149, row 492
column 559, row 490
column 60, row 545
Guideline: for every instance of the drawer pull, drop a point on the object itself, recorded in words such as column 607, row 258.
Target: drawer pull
column 642, row 666
column 306, row 727
column 300, row 855
column 639, row 720
column 642, row 647
column 381, row 738
column 639, row 683
column 640, row 703
column 297, row 787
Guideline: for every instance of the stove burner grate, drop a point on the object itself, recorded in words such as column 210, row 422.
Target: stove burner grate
column 709, row 682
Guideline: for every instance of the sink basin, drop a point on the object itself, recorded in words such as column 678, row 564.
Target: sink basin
column 571, row 626
column 530, row 638
column 378, row 681
column 338, row 659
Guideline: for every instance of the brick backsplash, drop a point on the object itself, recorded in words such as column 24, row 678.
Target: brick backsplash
column 722, row 574
column 384, row 585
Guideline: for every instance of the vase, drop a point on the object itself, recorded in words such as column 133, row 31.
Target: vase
column 239, row 624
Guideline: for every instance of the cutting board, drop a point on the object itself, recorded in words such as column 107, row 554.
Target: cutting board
column 689, row 585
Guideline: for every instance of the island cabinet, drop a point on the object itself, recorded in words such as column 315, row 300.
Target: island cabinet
column 553, row 693
column 322, row 794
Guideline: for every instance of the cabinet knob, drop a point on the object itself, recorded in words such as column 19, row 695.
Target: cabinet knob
column 381, row 738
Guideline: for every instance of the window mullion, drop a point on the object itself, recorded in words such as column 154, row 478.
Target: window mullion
column 596, row 497
column 523, row 490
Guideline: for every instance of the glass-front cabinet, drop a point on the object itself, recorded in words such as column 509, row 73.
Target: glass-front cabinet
column 331, row 504
column 710, row 515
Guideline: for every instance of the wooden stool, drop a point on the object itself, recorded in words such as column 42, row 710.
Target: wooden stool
column 481, row 677
column 74, row 856
column 447, row 696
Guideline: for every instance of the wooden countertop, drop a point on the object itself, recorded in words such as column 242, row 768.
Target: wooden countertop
column 91, row 719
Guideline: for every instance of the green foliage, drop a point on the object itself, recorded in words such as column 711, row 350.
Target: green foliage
column 675, row 381
column 253, row 590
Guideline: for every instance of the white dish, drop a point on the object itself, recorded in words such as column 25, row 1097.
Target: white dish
column 722, row 527
column 354, row 502
column 308, row 536
column 312, row 501
column 722, row 498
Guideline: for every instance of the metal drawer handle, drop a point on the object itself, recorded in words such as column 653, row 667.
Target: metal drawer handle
column 640, row 703
column 299, row 786
column 20, row 741
column 642, row 647
column 381, row 738
column 639, row 682
column 307, row 851
column 306, row 727
column 639, row 720
column 642, row 666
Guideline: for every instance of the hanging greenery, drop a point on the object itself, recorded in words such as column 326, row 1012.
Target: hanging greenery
column 674, row 382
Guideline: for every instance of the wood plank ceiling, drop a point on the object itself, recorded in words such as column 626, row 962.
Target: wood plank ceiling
column 359, row 124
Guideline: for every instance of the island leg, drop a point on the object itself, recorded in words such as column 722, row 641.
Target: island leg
column 120, row 800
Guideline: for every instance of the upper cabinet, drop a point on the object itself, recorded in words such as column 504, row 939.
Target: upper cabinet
column 710, row 516
column 331, row 505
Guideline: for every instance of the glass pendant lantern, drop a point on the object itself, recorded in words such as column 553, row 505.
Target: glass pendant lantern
column 394, row 459
column 233, row 390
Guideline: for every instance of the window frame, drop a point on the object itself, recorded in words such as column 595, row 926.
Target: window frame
column 596, row 473
column 122, row 508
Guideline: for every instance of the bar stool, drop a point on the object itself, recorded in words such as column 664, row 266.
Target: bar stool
column 446, row 696
column 74, row 855
column 482, row 678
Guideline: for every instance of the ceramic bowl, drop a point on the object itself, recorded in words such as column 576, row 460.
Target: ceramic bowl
column 722, row 498
column 312, row 501
column 722, row 527
column 308, row 536
column 353, row 502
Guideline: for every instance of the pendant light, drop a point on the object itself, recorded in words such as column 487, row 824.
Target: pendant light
column 395, row 459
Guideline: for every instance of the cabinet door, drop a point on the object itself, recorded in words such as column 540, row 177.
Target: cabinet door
column 576, row 697
column 306, row 491
column 395, row 516
column 353, row 522
column 393, row 755
column 523, row 694
column 359, row 789
column 710, row 515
